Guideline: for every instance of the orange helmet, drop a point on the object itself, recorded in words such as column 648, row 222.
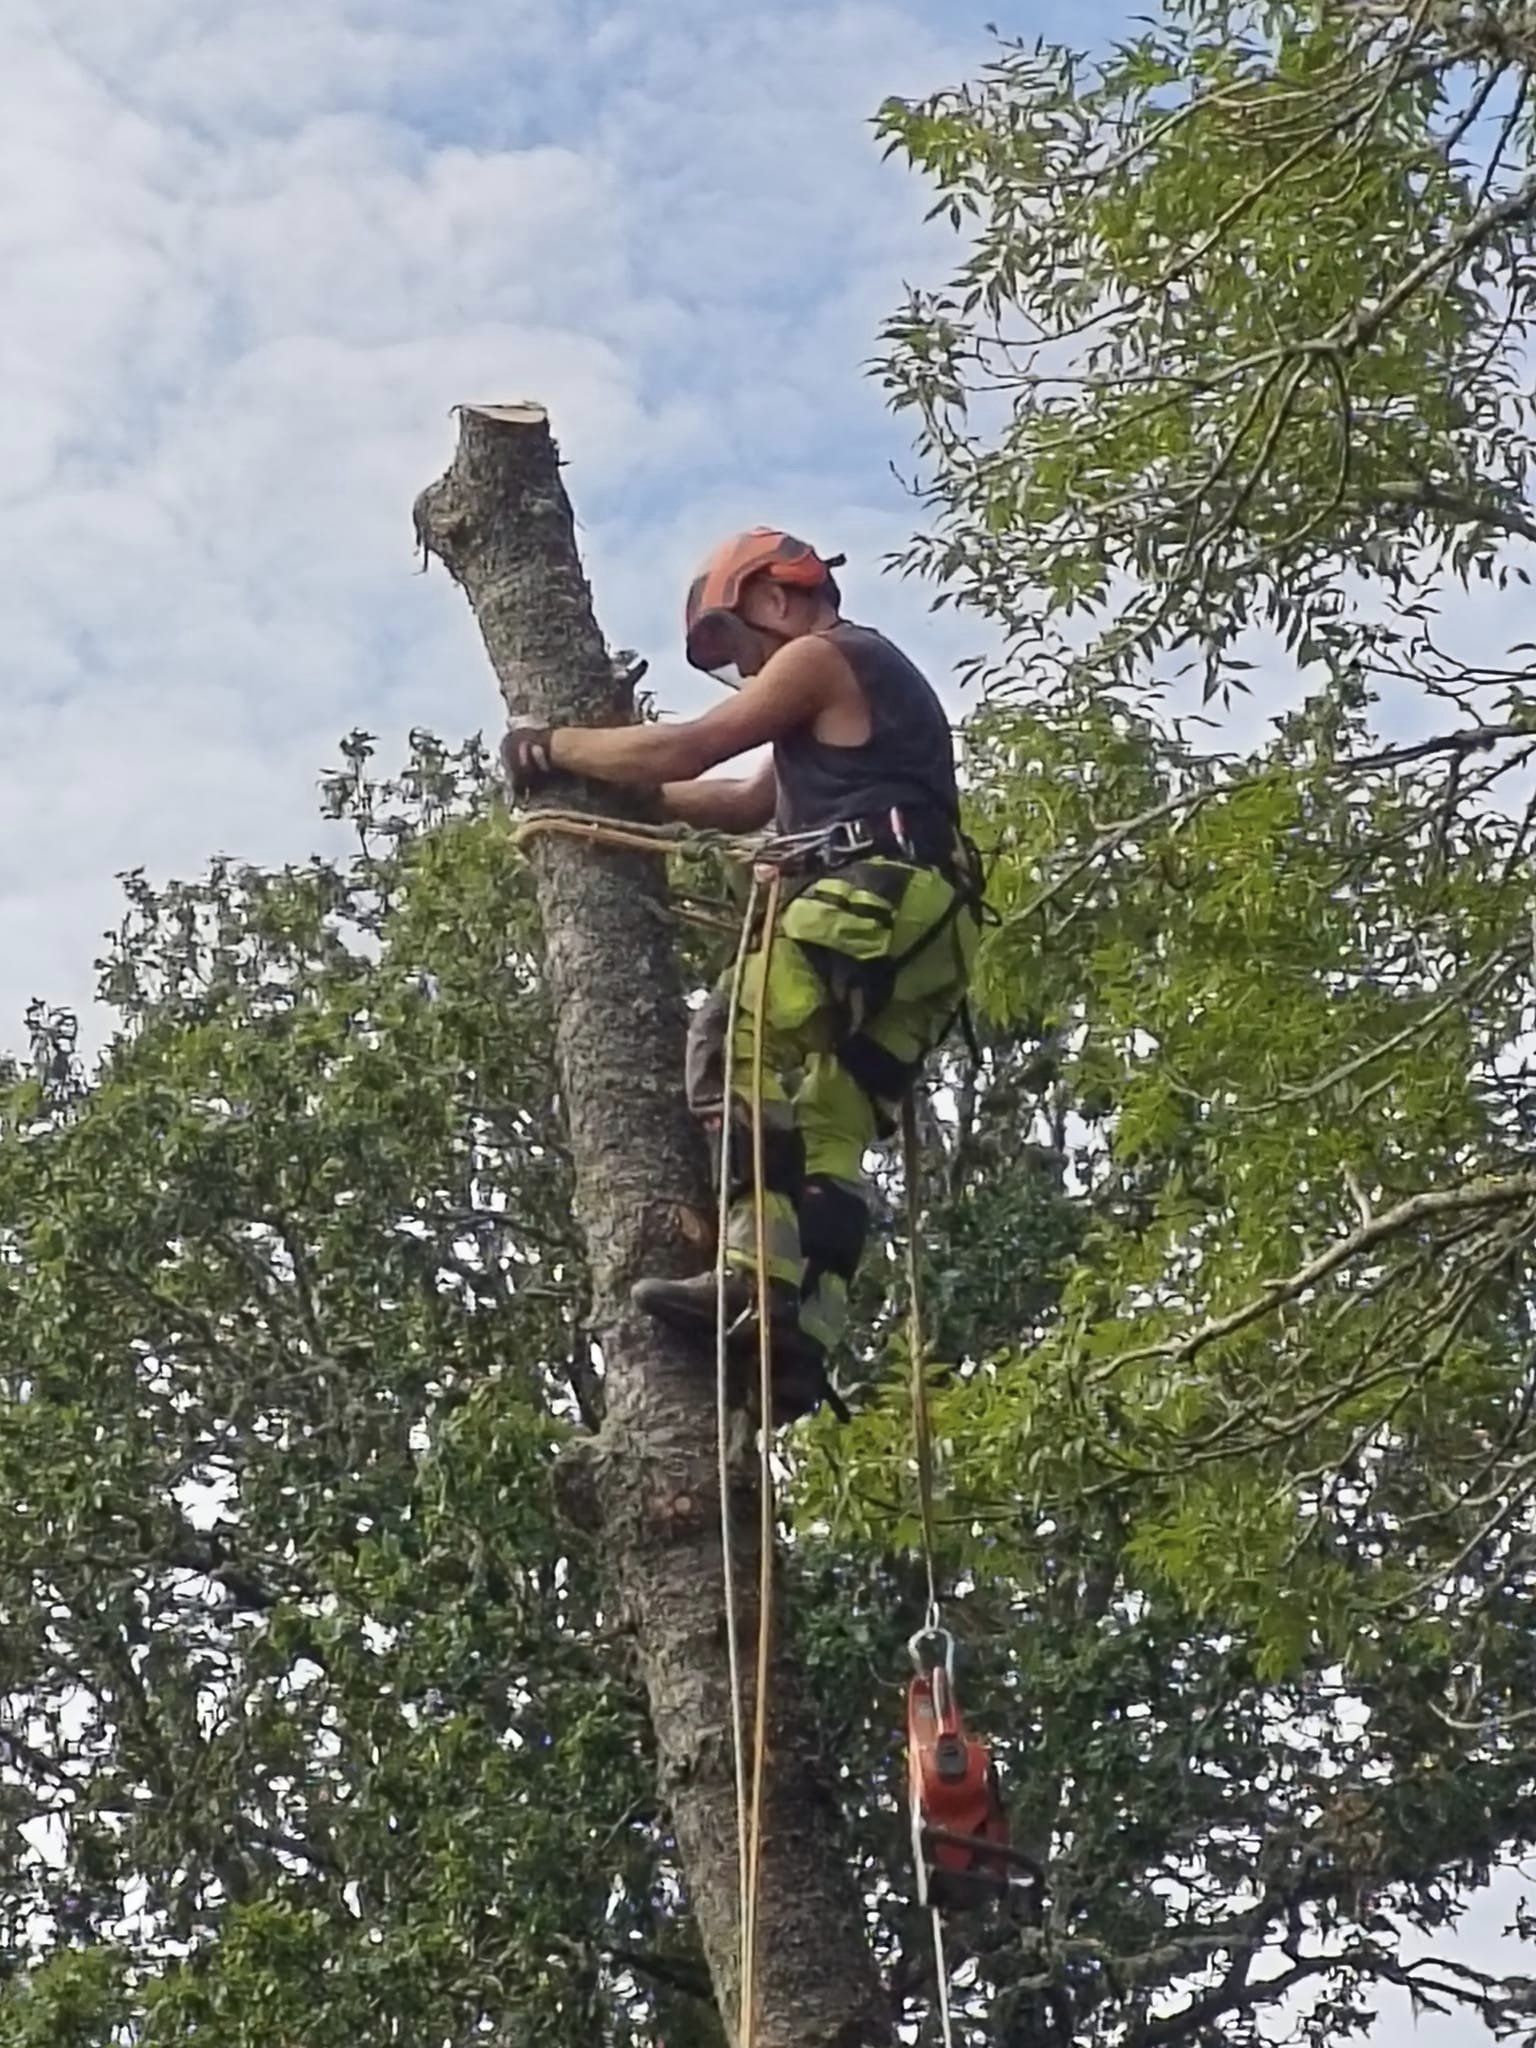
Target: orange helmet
column 716, row 590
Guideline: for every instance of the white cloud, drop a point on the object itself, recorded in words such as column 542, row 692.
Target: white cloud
column 258, row 250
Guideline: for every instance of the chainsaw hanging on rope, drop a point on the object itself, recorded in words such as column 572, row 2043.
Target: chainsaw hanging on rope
column 960, row 1840
column 960, row 1843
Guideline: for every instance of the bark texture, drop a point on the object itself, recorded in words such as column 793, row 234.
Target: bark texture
column 500, row 522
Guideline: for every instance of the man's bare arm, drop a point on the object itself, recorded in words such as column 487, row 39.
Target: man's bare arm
column 723, row 803
column 793, row 690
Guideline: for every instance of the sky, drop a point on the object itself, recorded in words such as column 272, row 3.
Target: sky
column 254, row 255
column 255, row 251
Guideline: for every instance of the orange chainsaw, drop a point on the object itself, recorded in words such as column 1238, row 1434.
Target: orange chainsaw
column 960, row 1839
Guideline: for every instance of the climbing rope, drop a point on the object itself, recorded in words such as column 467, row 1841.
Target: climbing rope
column 760, row 855
column 922, row 1420
column 922, row 1432
column 749, row 1815
column 766, row 1512
column 722, row 1435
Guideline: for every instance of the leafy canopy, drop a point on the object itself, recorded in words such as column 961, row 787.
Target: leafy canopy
column 1240, row 335
column 317, row 1726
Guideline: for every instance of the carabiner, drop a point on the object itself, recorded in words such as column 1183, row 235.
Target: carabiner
column 935, row 1635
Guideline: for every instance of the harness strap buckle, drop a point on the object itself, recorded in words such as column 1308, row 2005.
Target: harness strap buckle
column 847, row 839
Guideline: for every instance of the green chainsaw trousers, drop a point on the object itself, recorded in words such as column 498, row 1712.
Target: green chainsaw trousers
column 864, row 976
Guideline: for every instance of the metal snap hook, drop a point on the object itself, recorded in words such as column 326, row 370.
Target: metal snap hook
column 943, row 1644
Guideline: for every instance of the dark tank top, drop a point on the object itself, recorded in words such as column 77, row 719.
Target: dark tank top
column 906, row 764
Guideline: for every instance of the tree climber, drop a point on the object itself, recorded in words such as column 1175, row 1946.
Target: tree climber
column 869, row 964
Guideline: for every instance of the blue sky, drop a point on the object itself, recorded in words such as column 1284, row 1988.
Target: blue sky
column 255, row 250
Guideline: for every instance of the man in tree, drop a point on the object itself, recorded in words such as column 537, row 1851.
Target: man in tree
column 869, row 964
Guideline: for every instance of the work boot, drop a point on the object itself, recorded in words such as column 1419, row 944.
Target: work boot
column 800, row 1382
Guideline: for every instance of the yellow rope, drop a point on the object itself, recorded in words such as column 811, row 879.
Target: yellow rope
column 722, row 1411
column 765, row 1478
column 749, row 1818
column 663, row 840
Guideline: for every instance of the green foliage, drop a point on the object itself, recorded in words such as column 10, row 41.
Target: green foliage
column 1239, row 1510
column 315, row 1706
column 1240, row 331
column 317, row 1727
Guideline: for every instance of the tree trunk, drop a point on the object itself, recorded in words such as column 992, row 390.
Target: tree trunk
column 500, row 522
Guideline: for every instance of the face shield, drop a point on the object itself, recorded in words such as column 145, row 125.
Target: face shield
column 727, row 648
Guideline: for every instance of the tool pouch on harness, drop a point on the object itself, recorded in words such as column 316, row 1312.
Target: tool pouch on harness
column 843, row 914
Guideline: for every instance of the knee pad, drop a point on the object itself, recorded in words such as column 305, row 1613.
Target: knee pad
column 834, row 1224
column 783, row 1156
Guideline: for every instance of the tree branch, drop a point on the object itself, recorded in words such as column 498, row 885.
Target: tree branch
column 1428, row 497
column 1421, row 1208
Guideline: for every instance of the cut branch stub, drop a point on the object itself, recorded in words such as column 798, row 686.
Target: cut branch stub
column 500, row 522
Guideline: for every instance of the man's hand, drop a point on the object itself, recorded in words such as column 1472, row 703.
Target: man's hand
column 525, row 756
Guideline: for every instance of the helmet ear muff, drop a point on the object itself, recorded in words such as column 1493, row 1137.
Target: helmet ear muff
column 710, row 643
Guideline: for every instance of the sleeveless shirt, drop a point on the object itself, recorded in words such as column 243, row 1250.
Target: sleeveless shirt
column 907, row 763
